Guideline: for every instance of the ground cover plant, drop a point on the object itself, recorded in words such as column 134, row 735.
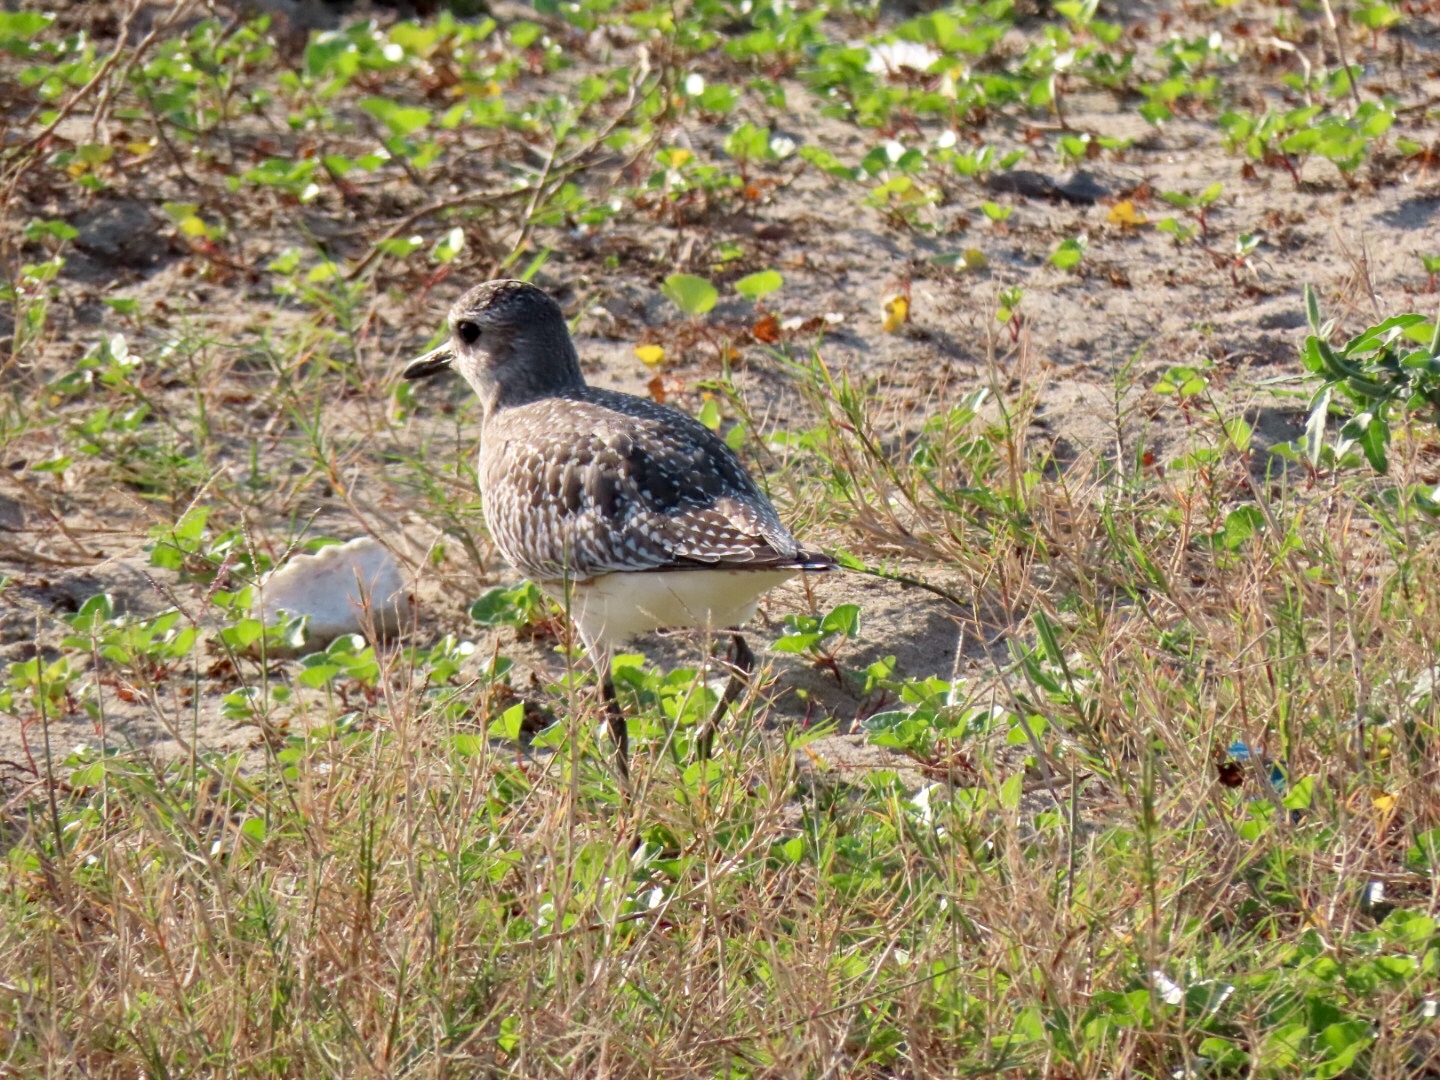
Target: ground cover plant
column 1098, row 341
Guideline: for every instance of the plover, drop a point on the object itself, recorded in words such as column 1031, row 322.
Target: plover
column 630, row 514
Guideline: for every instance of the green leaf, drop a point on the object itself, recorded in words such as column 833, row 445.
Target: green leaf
column 37, row 230
column 1241, row 524
column 400, row 119
column 1345, row 1041
column 1282, row 1047
column 1371, row 431
column 1312, row 308
column 243, row 633
column 758, row 286
column 1011, row 791
column 254, row 829
column 709, row 414
column 98, row 609
column 1049, row 640
column 22, row 25
column 843, row 620
column 1239, row 432
column 1068, row 255
column 796, row 643
column 468, row 744
column 510, row 722
column 789, row 851
column 1301, row 794
column 513, row 606
column 318, row 672
column 748, row 142
column 692, row 295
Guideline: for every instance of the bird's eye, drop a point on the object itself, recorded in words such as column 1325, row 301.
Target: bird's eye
column 469, row 332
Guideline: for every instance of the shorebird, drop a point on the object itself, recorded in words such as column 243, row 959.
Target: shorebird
column 632, row 515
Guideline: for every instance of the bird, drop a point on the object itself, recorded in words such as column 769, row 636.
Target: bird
column 632, row 515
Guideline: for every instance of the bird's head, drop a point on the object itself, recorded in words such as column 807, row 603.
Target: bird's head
column 510, row 342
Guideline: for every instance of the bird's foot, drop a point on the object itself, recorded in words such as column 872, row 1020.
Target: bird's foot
column 741, row 662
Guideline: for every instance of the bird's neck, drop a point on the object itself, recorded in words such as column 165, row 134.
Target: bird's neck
column 519, row 379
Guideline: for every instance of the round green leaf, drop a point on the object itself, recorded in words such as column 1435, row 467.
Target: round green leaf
column 692, row 295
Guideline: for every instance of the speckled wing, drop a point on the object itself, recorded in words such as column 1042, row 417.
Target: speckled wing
column 598, row 482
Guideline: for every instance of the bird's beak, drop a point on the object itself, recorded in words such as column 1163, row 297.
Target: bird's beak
column 432, row 363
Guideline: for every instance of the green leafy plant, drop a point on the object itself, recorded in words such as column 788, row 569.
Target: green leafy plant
column 347, row 657
column 1194, row 206
column 1379, row 378
column 1070, row 253
column 1007, row 311
column 515, row 605
column 933, row 723
column 995, row 212
column 1432, row 271
column 820, row 637
column 149, row 647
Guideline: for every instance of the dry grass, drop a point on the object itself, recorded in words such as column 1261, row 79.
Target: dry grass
column 1064, row 870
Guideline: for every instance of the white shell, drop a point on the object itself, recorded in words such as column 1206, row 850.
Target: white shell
column 345, row 589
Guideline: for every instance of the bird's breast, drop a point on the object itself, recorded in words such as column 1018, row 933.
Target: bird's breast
column 612, row 608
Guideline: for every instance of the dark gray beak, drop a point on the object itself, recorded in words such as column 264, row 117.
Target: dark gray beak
column 432, row 363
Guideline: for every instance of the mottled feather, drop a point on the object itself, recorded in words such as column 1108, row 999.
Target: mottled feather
column 579, row 482
column 592, row 482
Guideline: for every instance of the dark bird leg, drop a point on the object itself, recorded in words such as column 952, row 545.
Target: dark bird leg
column 619, row 730
column 742, row 663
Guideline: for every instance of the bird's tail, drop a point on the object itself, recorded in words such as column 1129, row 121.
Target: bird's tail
column 813, row 562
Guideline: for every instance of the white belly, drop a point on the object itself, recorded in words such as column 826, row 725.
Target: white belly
column 614, row 607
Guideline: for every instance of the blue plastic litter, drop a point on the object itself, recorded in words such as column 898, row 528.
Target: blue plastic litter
column 1242, row 752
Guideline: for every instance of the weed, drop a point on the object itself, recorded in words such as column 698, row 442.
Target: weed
column 1133, row 776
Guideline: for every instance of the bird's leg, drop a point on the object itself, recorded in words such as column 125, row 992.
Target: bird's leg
column 741, row 665
column 619, row 730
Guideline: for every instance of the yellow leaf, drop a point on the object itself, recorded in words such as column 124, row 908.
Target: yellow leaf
column 974, row 259
column 140, row 149
column 897, row 313
column 77, row 169
column 1124, row 213
column 193, row 226
column 1384, row 802
column 679, row 156
column 650, row 354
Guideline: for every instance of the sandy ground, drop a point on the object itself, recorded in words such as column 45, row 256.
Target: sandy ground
column 1137, row 305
